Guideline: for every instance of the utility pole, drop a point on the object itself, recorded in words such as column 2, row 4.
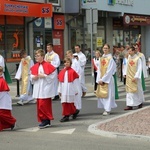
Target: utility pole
column 92, row 29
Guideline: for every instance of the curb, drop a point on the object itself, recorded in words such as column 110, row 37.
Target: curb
column 95, row 130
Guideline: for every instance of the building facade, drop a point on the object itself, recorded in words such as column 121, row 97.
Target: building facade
column 119, row 22
column 90, row 23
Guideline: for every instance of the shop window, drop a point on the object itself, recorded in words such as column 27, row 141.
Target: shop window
column 48, row 37
column 15, row 42
column 54, row 2
column 38, row 39
column 118, row 38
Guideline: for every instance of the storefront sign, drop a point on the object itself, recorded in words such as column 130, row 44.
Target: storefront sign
column 58, row 43
column 39, row 23
column 59, row 22
column 89, row 2
column 48, row 23
column 99, row 41
column 25, row 9
column 136, row 20
column 121, row 2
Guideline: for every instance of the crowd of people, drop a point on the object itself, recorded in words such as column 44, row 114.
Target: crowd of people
column 43, row 81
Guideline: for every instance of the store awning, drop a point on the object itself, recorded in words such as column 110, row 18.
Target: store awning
column 14, row 8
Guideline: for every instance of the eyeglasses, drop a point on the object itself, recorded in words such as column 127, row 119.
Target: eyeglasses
column 37, row 56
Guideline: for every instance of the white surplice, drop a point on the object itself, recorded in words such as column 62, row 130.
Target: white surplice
column 5, row 100
column 68, row 90
column 109, row 102
column 44, row 87
column 27, row 96
column 144, row 68
column 56, row 63
column 76, row 66
column 82, row 61
column 2, row 63
column 124, row 66
column 136, row 98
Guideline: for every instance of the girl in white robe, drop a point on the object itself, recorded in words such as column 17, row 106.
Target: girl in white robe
column 109, row 102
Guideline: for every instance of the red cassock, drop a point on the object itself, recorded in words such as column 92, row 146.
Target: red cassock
column 48, row 68
column 68, row 108
column 44, row 105
column 3, row 85
column 6, row 118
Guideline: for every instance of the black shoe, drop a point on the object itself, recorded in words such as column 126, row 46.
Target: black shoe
column 56, row 97
column 75, row 114
column 64, row 119
column 44, row 124
column 128, row 108
column 12, row 127
column 140, row 106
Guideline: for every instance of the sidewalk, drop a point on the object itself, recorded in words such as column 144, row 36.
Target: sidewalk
column 134, row 124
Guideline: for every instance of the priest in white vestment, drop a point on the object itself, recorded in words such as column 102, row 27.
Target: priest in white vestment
column 82, row 60
column 144, row 68
column 53, row 58
column 134, row 96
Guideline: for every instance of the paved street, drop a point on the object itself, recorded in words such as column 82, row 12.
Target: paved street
column 86, row 132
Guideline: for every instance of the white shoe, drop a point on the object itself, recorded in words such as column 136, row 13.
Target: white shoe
column 20, row 103
column 26, row 102
column 33, row 101
column 105, row 113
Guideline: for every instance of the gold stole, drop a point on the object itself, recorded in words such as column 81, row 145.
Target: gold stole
column 131, row 87
column 49, row 58
column 25, row 72
column 102, row 90
column 140, row 54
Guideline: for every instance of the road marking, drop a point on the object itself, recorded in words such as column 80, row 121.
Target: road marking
column 33, row 129
column 68, row 131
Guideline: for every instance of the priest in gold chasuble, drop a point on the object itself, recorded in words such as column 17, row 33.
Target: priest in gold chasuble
column 23, row 73
column 134, row 96
column 106, row 87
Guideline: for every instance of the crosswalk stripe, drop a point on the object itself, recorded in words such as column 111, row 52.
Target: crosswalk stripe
column 33, row 129
column 68, row 131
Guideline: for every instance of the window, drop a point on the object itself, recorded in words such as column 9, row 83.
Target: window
column 54, row 2
column 15, row 41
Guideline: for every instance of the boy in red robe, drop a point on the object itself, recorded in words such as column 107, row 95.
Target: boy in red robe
column 42, row 75
column 68, row 90
column 6, row 119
